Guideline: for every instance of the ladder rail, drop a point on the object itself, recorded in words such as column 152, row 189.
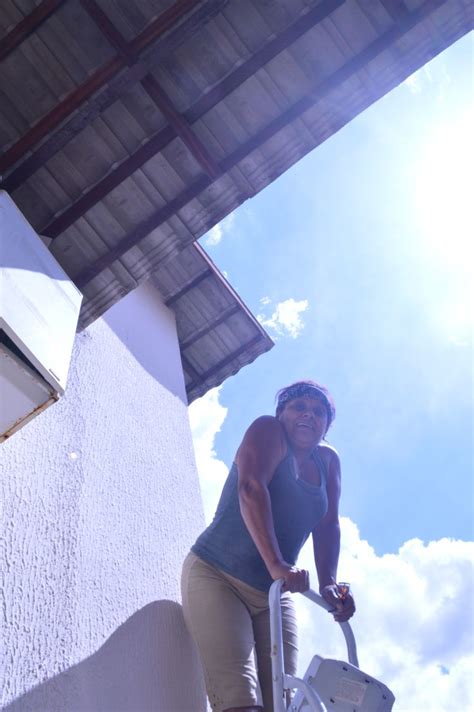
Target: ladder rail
column 345, row 627
column 280, row 680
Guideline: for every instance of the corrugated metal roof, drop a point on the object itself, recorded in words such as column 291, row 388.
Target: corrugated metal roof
column 217, row 333
column 130, row 128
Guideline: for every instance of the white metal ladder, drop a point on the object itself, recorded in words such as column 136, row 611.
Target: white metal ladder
column 328, row 685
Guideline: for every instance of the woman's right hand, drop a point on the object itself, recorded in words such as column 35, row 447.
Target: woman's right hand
column 296, row 580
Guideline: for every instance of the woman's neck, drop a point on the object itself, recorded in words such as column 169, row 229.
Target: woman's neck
column 302, row 455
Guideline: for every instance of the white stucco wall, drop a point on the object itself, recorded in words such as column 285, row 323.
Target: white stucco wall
column 101, row 502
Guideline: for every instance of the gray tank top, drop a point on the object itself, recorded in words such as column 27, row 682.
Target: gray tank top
column 297, row 507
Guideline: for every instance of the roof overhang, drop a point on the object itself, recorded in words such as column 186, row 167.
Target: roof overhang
column 128, row 133
column 217, row 334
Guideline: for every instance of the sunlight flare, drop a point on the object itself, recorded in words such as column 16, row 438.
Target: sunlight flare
column 443, row 186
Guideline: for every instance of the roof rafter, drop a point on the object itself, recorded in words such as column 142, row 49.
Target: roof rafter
column 397, row 9
column 194, row 282
column 95, row 82
column 28, row 25
column 294, row 112
column 181, row 126
column 153, row 89
column 221, row 364
column 108, row 29
column 195, row 112
column 98, row 104
column 210, row 326
column 142, row 230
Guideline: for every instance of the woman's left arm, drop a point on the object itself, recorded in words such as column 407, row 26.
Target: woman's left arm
column 327, row 540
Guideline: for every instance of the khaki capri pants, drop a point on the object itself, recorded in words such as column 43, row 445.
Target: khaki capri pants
column 230, row 623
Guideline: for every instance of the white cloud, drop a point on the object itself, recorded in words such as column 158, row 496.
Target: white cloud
column 414, row 620
column 215, row 235
column 413, row 83
column 435, row 75
column 414, row 623
column 285, row 319
column 206, row 416
column 417, row 81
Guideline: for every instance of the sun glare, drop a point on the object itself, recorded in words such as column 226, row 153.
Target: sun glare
column 443, row 199
column 444, row 192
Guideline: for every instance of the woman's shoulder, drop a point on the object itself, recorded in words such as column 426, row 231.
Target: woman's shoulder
column 266, row 426
column 265, row 433
column 328, row 454
column 268, row 422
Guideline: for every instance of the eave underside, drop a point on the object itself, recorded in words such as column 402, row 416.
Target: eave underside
column 128, row 134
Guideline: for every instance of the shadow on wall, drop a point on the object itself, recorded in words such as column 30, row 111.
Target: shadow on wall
column 149, row 664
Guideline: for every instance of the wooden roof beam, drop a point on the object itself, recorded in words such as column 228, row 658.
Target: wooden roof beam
column 397, row 9
column 97, row 80
column 116, row 176
column 153, row 89
column 195, row 112
column 98, row 104
column 167, row 20
column 294, row 112
column 223, row 362
column 48, row 122
column 257, row 61
column 108, row 29
column 28, row 25
column 141, row 231
column 210, row 326
column 190, row 284
column 181, row 127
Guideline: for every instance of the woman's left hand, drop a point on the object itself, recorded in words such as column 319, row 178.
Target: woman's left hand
column 342, row 603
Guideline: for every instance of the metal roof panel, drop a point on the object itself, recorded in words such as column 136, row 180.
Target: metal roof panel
column 151, row 120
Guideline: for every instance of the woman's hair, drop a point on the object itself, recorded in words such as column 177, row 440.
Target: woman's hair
column 306, row 388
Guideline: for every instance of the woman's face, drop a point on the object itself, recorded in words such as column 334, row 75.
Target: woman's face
column 305, row 420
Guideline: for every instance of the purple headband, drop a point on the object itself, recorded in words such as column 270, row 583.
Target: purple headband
column 305, row 389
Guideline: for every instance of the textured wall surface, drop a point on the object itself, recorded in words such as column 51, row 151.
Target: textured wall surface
column 101, row 501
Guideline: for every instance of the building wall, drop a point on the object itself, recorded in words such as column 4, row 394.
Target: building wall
column 101, row 502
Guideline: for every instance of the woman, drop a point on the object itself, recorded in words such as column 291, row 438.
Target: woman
column 284, row 485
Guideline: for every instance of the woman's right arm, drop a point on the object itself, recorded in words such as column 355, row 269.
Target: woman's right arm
column 258, row 456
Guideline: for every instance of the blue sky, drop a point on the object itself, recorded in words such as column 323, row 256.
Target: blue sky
column 348, row 230
column 359, row 263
